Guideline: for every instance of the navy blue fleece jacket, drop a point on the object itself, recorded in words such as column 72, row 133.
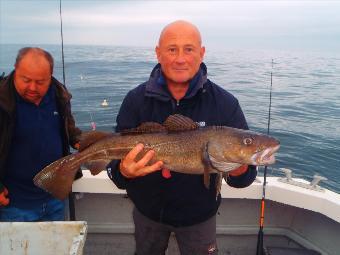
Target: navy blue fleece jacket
column 183, row 199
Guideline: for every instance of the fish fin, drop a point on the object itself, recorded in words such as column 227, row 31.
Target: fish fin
column 206, row 177
column 57, row 177
column 173, row 123
column 218, row 183
column 207, row 166
column 96, row 166
column 208, row 169
column 146, row 127
column 177, row 122
column 225, row 177
column 88, row 138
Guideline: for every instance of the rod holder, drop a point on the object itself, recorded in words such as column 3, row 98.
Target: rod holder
column 316, row 179
column 288, row 173
column 313, row 185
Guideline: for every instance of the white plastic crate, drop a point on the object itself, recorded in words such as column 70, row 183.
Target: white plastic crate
column 45, row 238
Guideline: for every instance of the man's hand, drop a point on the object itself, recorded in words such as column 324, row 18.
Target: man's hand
column 76, row 146
column 238, row 171
column 132, row 169
column 3, row 197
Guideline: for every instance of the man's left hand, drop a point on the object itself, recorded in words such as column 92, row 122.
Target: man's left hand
column 76, row 146
column 4, row 200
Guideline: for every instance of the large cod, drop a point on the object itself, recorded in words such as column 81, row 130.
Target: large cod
column 179, row 142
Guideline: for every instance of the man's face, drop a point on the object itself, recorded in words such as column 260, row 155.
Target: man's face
column 180, row 54
column 32, row 77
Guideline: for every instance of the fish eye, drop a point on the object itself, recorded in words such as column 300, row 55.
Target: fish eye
column 248, row 141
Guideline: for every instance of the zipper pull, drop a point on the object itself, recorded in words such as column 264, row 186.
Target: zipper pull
column 177, row 102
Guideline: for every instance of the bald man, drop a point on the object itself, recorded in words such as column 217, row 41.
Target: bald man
column 36, row 129
column 166, row 201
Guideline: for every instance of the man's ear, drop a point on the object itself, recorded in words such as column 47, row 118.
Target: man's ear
column 158, row 53
column 202, row 52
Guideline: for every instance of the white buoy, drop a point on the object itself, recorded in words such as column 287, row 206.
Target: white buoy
column 105, row 103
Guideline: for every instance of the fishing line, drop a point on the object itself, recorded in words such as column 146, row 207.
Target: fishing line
column 62, row 42
column 93, row 124
column 259, row 248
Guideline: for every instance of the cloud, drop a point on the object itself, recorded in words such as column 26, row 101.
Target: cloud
column 139, row 22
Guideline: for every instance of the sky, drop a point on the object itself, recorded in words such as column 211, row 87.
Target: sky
column 308, row 25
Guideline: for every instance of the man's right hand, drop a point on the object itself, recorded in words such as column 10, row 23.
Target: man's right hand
column 3, row 197
column 130, row 168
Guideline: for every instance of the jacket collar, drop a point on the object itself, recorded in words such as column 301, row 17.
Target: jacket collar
column 7, row 94
column 156, row 86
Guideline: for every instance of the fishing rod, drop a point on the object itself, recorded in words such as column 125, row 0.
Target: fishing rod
column 62, row 42
column 71, row 205
column 93, row 124
column 259, row 248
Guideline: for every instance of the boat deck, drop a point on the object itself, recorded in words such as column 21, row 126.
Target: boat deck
column 295, row 218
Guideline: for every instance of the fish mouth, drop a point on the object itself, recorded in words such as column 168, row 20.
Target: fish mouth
column 265, row 157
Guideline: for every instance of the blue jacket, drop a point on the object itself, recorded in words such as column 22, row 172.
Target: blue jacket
column 8, row 112
column 182, row 200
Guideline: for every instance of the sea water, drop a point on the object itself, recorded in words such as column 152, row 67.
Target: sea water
column 305, row 111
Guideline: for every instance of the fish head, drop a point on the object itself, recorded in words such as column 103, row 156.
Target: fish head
column 247, row 147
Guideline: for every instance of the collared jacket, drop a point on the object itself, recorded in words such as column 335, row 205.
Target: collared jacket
column 7, row 118
column 181, row 200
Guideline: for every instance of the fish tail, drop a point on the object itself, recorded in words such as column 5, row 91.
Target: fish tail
column 57, row 178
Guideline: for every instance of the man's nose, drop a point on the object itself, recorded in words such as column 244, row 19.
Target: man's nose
column 180, row 58
column 32, row 86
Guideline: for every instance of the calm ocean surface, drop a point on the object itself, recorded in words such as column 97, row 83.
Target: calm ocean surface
column 305, row 113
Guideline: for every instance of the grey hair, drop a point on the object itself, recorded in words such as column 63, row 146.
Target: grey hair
column 24, row 51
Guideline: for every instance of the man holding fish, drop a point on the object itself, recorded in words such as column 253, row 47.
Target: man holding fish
column 167, row 201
